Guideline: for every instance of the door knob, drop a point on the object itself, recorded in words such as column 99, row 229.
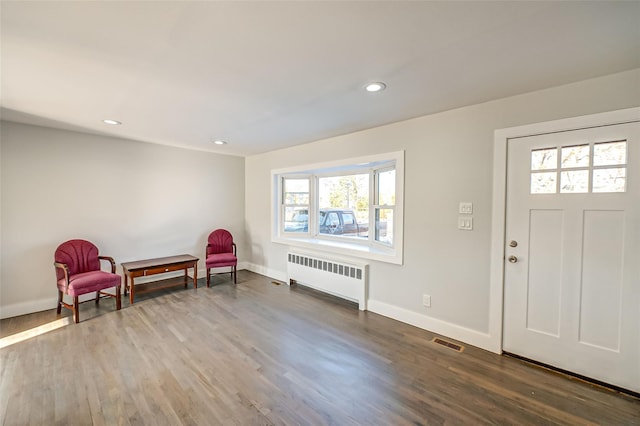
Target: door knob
column 512, row 259
column 513, row 243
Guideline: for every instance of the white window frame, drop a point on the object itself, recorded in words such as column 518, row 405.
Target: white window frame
column 284, row 205
column 376, row 202
column 368, row 249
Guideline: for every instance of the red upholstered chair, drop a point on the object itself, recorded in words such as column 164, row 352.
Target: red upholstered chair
column 78, row 272
column 221, row 252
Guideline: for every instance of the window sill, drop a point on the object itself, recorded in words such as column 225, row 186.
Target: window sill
column 345, row 248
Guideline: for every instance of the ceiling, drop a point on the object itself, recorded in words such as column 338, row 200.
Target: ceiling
column 268, row 75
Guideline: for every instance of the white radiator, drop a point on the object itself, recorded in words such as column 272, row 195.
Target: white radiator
column 338, row 278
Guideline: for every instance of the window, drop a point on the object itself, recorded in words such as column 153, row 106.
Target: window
column 385, row 200
column 350, row 205
column 295, row 204
column 343, row 205
column 596, row 167
column 610, row 167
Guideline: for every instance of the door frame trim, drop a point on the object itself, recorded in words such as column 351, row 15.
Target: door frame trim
column 499, row 199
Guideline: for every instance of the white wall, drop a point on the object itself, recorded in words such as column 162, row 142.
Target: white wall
column 134, row 200
column 448, row 160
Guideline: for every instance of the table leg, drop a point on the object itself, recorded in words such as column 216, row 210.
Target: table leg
column 195, row 275
column 186, row 269
column 131, row 291
column 126, row 284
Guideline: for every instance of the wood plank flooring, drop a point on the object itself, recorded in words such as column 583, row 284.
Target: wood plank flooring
column 264, row 354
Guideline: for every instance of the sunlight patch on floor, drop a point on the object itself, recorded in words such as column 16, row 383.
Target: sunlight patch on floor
column 34, row 332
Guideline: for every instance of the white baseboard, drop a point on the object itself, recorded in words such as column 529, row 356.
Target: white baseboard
column 34, row 306
column 444, row 328
column 30, row 307
column 271, row 273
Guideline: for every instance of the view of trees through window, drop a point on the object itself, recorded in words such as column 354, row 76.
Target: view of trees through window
column 345, row 192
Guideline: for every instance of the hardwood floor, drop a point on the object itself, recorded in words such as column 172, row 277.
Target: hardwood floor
column 261, row 354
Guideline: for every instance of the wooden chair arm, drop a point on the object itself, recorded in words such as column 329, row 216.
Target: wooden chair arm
column 234, row 249
column 110, row 259
column 65, row 269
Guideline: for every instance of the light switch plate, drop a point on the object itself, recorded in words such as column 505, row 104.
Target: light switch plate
column 465, row 223
column 466, row 208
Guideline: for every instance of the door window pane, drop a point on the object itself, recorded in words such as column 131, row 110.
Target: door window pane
column 544, row 159
column 543, row 183
column 576, row 168
column 575, row 181
column 610, row 153
column 575, row 156
column 609, row 180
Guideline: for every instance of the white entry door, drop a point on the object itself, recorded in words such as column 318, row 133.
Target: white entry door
column 572, row 275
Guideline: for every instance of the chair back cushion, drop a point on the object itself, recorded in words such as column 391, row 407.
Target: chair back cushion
column 220, row 241
column 79, row 255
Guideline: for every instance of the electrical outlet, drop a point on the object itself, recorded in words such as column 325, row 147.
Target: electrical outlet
column 426, row 300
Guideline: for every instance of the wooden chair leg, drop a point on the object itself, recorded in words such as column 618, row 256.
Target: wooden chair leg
column 98, row 297
column 59, row 310
column 118, row 298
column 208, row 269
column 235, row 275
column 76, row 309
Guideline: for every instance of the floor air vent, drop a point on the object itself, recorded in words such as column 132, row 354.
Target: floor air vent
column 449, row 345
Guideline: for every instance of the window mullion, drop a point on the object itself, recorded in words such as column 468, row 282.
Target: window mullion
column 313, row 208
column 373, row 190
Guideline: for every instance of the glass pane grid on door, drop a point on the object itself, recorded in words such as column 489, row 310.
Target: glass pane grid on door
column 577, row 169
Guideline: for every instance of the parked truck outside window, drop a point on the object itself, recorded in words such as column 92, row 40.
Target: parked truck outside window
column 330, row 222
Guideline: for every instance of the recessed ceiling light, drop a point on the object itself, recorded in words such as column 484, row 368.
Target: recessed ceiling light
column 375, row 87
column 219, row 142
column 114, row 122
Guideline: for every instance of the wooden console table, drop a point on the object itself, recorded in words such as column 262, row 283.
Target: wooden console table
column 161, row 265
